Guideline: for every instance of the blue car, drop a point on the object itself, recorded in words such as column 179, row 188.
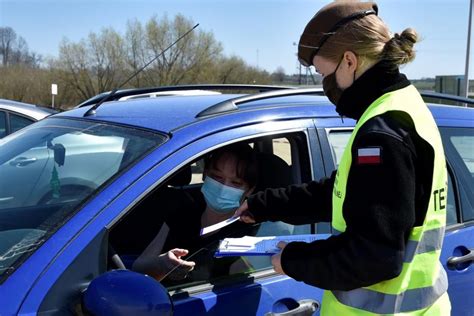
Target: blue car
column 78, row 189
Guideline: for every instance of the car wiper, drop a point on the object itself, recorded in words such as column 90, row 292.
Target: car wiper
column 93, row 109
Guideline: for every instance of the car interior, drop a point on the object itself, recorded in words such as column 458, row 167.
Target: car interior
column 282, row 160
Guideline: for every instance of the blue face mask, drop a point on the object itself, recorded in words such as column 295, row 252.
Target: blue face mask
column 221, row 198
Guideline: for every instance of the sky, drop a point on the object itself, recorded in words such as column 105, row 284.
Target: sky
column 262, row 32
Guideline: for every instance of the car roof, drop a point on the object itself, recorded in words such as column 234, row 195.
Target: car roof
column 166, row 114
column 190, row 89
column 450, row 113
column 27, row 109
column 172, row 112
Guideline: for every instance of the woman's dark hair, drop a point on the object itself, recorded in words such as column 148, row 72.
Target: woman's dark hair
column 246, row 161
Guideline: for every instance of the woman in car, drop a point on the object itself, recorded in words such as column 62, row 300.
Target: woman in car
column 230, row 175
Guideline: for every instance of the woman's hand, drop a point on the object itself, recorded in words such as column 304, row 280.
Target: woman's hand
column 160, row 266
column 172, row 261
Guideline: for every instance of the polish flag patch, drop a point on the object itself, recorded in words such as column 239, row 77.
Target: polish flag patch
column 369, row 156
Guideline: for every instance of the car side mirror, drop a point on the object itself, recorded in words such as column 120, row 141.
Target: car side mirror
column 124, row 292
column 59, row 152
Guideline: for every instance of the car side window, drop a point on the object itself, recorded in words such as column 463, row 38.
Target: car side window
column 282, row 148
column 17, row 122
column 464, row 145
column 197, row 169
column 458, row 145
column 181, row 194
column 3, row 124
column 338, row 140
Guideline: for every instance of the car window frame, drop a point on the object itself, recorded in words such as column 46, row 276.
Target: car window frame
column 274, row 134
column 236, row 279
column 13, row 115
column 5, row 122
column 8, row 119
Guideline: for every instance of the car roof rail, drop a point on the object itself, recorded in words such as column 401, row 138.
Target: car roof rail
column 447, row 97
column 211, row 87
column 232, row 104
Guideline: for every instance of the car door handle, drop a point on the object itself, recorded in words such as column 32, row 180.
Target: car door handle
column 306, row 308
column 455, row 261
column 22, row 161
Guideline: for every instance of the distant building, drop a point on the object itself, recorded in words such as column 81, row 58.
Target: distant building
column 452, row 85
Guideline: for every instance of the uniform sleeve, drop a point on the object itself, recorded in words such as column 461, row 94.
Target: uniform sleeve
column 297, row 204
column 379, row 210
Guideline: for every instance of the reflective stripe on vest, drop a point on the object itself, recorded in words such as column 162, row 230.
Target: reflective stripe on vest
column 431, row 240
column 381, row 303
column 422, row 280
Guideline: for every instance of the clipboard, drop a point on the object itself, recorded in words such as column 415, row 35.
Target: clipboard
column 257, row 246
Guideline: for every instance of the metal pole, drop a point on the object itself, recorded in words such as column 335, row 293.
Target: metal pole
column 299, row 77
column 52, row 104
column 299, row 64
column 466, row 72
column 257, row 59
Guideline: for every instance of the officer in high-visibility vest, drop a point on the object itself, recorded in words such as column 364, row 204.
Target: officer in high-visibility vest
column 387, row 200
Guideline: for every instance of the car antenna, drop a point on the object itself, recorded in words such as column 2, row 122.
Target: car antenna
column 93, row 109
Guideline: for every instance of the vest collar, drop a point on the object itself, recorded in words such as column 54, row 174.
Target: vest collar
column 373, row 83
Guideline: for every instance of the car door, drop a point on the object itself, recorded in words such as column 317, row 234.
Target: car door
column 457, row 255
column 262, row 290
column 84, row 257
column 29, row 164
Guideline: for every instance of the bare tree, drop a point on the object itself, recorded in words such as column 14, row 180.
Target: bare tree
column 135, row 50
column 14, row 49
column 107, row 59
column 73, row 60
column 7, row 41
column 103, row 60
column 183, row 62
column 279, row 75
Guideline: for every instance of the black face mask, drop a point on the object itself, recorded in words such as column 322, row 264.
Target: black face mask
column 331, row 88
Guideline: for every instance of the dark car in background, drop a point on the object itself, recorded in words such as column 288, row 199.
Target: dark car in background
column 16, row 115
column 63, row 252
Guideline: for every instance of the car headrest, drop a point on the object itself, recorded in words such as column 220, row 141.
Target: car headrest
column 273, row 172
column 181, row 178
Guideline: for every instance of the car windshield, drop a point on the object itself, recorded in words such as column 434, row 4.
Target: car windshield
column 51, row 168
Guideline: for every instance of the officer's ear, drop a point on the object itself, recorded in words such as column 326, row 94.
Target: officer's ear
column 350, row 61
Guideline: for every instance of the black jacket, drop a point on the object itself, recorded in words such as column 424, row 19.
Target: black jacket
column 383, row 201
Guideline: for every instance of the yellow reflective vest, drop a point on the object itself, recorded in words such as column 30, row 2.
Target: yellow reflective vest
column 421, row 287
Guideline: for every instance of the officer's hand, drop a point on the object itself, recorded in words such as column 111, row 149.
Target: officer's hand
column 276, row 258
column 244, row 214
